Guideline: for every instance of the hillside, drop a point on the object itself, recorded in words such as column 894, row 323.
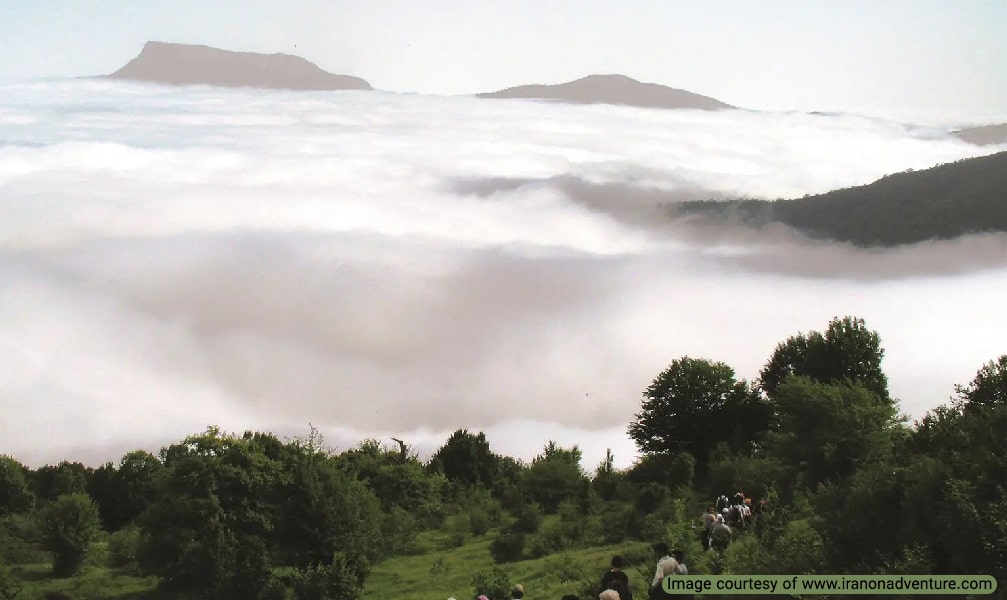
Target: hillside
column 943, row 202
column 612, row 89
column 985, row 135
column 183, row 64
column 815, row 447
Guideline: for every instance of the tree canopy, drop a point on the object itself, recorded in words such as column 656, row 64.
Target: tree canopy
column 695, row 404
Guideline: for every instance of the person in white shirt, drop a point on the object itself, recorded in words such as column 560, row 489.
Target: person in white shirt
column 680, row 559
column 666, row 566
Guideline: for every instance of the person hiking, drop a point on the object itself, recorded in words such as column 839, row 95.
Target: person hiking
column 722, row 503
column 720, row 534
column 617, row 574
column 708, row 519
column 679, row 557
column 666, row 565
column 517, row 592
column 617, row 586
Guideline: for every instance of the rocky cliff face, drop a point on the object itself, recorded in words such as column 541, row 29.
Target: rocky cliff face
column 183, row 64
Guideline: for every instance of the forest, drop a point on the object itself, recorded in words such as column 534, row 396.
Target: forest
column 944, row 202
column 847, row 484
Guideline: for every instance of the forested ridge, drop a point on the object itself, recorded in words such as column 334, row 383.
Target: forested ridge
column 944, row 202
column 849, row 486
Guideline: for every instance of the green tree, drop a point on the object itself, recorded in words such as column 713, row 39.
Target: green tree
column 134, row 482
column 15, row 494
column 847, row 351
column 49, row 482
column 325, row 510
column 826, row 432
column 609, row 483
column 695, row 404
column 213, row 501
column 69, row 524
column 466, row 458
column 957, row 473
column 988, row 388
column 101, row 488
column 555, row 475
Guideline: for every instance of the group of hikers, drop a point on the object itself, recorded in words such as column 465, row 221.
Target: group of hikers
column 738, row 512
column 615, row 581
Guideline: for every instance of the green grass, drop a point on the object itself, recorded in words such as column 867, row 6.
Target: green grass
column 442, row 572
column 92, row 582
column 434, row 569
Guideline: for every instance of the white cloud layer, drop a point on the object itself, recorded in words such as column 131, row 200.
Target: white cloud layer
column 385, row 265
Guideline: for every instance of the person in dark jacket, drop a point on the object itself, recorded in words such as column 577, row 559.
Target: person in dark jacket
column 617, row 574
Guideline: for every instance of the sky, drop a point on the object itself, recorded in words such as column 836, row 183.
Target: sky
column 407, row 265
column 933, row 61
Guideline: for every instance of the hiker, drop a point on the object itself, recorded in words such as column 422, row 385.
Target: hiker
column 666, row 565
column 616, row 590
column 517, row 592
column 617, row 574
column 707, row 520
column 679, row 557
column 736, row 516
column 722, row 502
column 720, row 534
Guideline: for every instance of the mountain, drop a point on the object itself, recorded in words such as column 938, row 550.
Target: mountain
column 943, row 202
column 985, row 135
column 184, row 64
column 612, row 89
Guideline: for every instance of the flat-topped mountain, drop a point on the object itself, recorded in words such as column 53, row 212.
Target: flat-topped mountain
column 985, row 135
column 184, row 64
column 612, row 89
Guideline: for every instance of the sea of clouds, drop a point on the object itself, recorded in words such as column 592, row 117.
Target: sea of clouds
column 380, row 264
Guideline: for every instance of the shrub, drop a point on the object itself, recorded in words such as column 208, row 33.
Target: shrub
column 495, row 584
column 327, row 582
column 508, row 546
column 529, row 518
column 21, row 540
column 479, row 521
column 274, row 590
column 68, row 526
column 9, row 589
column 122, row 547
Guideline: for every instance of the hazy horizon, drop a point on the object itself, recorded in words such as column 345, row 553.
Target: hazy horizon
column 381, row 264
column 860, row 57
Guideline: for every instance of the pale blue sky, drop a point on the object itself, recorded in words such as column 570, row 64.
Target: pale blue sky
column 946, row 57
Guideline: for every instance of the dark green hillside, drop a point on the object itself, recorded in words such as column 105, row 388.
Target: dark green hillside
column 944, row 202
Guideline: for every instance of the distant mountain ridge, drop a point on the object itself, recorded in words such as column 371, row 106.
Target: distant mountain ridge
column 612, row 89
column 941, row 203
column 185, row 64
column 985, row 135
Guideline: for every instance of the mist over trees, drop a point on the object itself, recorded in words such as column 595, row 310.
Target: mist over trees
column 850, row 487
